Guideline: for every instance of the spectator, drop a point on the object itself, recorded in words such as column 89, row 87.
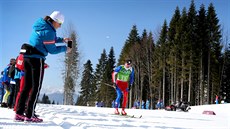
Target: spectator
column 1, row 87
column 216, row 99
column 12, row 72
column 7, row 74
column 143, row 104
column 42, row 41
column 147, row 104
column 158, row 105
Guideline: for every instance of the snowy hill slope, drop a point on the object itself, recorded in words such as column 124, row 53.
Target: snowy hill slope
column 78, row 117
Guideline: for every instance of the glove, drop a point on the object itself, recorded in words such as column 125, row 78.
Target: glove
column 129, row 88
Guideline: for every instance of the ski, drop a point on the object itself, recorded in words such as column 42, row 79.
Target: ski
column 128, row 116
column 133, row 116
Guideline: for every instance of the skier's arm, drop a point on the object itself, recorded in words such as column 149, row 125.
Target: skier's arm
column 131, row 80
column 49, row 42
column 62, row 40
column 5, row 78
column 116, row 70
column 59, row 40
column 114, row 77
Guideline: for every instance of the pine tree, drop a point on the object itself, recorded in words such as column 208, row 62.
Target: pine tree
column 202, row 39
column 87, row 87
column 144, row 67
column 173, row 39
column 45, row 99
column 71, row 71
column 214, row 53
column 150, row 59
column 109, row 92
column 159, row 65
column 225, row 88
column 192, row 28
column 183, row 56
column 141, row 54
column 132, row 39
column 99, row 72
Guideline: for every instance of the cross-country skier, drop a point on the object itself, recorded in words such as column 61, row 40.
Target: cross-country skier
column 42, row 42
column 123, row 77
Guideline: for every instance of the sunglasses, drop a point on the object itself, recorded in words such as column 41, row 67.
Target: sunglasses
column 59, row 22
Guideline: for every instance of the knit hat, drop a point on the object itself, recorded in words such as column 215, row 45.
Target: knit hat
column 57, row 17
column 128, row 61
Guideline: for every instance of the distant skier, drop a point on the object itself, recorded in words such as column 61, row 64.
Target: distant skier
column 123, row 77
column 216, row 99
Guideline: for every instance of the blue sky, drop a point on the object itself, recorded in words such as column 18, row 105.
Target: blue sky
column 100, row 24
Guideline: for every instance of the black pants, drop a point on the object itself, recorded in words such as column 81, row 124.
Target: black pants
column 16, row 89
column 34, row 69
column 11, row 96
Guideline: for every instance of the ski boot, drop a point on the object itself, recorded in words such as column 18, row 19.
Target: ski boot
column 116, row 112
column 4, row 105
column 19, row 117
column 33, row 119
column 123, row 112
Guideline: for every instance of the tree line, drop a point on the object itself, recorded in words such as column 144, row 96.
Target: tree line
column 190, row 62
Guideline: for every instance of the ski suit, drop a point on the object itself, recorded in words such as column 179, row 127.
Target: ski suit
column 124, row 78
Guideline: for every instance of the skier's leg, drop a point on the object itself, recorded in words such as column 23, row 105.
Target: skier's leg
column 125, row 98
column 5, row 97
column 17, row 86
column 38, row 69
column 19, row 92
column 117, row 101
column 25, row 87
column 11, row 96
column 119, row 94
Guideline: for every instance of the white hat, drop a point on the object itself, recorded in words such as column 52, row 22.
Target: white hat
column 57, row 17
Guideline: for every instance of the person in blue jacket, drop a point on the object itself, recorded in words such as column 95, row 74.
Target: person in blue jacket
column 6, row 81
column 43, row 41
column 1, row 88
column 15, row 84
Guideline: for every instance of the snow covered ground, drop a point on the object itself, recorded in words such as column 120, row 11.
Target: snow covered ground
column 79, row 117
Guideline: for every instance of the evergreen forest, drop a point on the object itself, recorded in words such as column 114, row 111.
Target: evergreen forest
column 189, row 60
